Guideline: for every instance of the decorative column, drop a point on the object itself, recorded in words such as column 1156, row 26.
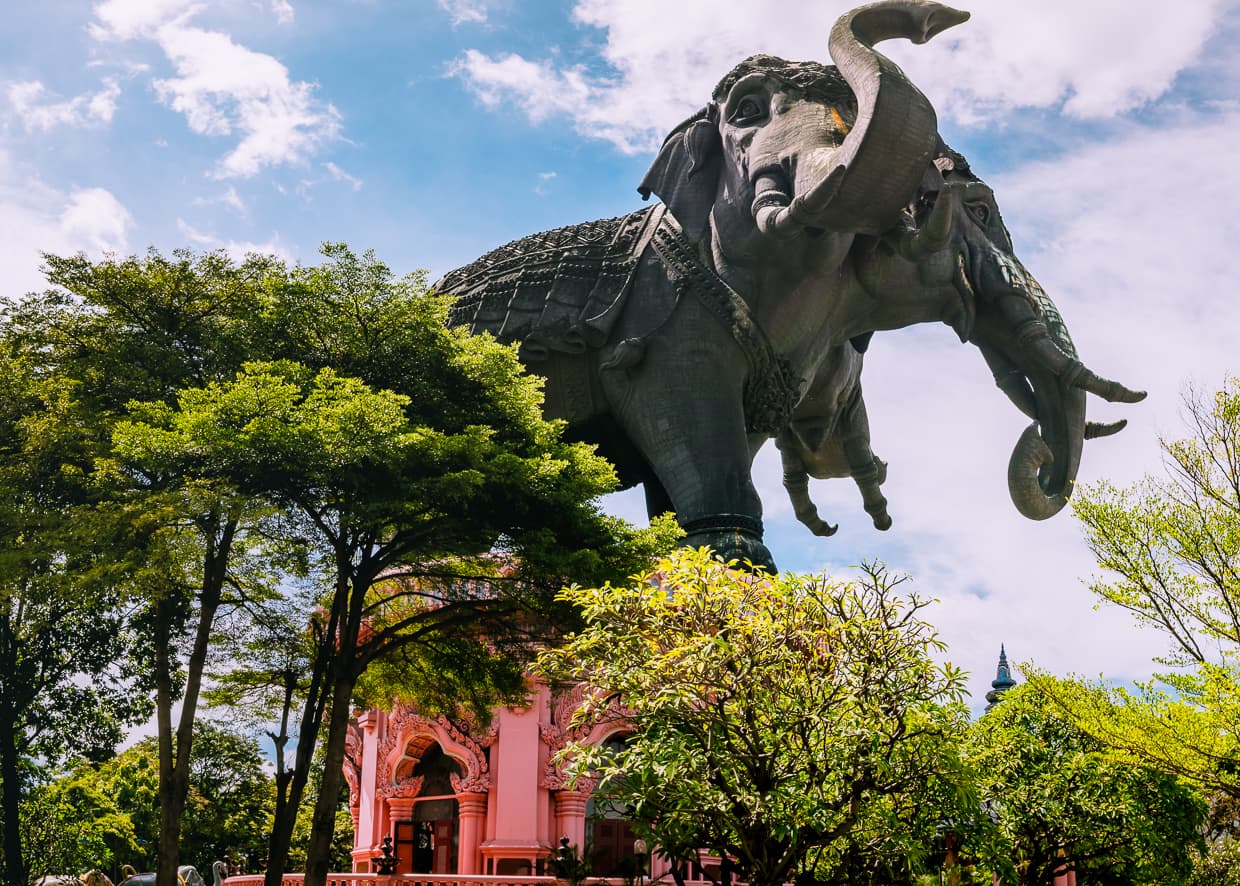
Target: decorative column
column 364, row 805
column 400, row 808
column 570, row 816
column 472, row 808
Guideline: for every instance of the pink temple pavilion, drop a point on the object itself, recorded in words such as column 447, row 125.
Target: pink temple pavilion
column 456, row 800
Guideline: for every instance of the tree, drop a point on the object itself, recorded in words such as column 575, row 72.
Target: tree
column 412, row 459
column 97, row 815
column 265, row 682
column 774, row 720
column 1061, row 803
column 143, row 329
column 230, row 797
column 105, row 813
column 1169, row 548
column 65, row 689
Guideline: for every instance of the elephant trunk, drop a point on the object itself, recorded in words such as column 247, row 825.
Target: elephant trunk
column 882, row 160
column 1035, row 363
column 1045, row 460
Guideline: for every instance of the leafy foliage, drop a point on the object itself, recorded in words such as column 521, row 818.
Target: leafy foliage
column 66, row 687
column 411, row 460
column 1169, row 548
column 104, row 815
column 771, row 717
column 1061, row 801
column 239, row 427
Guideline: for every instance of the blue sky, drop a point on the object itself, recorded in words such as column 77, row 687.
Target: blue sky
column 434, row 131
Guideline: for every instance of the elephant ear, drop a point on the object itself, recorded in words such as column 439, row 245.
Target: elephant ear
column 685, row 175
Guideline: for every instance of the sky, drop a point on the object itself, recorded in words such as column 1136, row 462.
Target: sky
column 434, row 130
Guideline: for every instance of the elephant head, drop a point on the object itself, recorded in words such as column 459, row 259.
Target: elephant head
column 800, row 145
column 955, row 255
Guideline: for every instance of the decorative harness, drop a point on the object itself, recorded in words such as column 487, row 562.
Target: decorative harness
column 772, row 389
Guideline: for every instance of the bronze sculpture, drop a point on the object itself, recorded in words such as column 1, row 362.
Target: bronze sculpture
column 804, row 208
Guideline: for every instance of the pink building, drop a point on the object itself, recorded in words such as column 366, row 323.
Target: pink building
column 458, row 800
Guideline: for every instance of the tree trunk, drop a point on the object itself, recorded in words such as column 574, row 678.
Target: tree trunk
column 14, row 862
column 322, row 686
column 353, row 589
column 323, row 825
column 289, row 795
column 174, row 766
column 170, row 807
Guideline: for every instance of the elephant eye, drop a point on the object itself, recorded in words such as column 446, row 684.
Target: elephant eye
column 980, row 212
column 748, row 111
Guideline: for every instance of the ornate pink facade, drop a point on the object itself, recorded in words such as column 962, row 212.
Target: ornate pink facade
column 458, row 800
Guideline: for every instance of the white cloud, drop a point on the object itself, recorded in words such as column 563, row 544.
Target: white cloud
column 95, row 219
column 283, row 11
column 127, row 19
column 229, row 198
column 340, row 175
column 541, row 91
column 465, row 11
column 1094, row 61
column 35, row 218
column 226, row 89
column 1091, row 58
column 544, row 181
column 38, row 110
column 237, row 250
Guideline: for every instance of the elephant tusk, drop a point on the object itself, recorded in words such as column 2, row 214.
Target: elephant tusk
column 1094, row 429
column 1035, row 336
column 934, row 235
column 776, row 216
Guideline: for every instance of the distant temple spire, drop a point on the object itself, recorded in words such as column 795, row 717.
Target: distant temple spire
column 1002, row 682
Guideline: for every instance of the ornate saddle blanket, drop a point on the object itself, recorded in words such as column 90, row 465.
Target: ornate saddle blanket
column 560, row 290
column 563, row 290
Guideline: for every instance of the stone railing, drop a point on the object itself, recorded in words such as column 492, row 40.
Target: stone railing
column 399, row 880
column 433, row 880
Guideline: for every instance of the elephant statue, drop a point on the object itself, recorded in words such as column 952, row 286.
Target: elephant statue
column 187, row 875
column 90, row 878
column 804, row 208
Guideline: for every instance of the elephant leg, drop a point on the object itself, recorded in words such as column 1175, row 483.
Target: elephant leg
column 868, row 471
column 657, row 500
column 709, row 484
column 682, row 408
column 796, row 482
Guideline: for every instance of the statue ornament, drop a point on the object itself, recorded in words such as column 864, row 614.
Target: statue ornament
column 804, row 208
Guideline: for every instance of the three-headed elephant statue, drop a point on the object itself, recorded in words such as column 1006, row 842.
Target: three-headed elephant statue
column 804, row 208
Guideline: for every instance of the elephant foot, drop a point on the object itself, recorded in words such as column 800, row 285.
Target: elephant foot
column 732, row 537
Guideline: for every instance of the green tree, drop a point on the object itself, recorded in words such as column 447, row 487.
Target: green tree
column 412, row 459
column 65, row 689
column 97, row 815
column 1061, row 802
column 105, row 814
column 143, row 329
column 778, row 721
column 230, row 798
column 1169, row 548
column 267, row 657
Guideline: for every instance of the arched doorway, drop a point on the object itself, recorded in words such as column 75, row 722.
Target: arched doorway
column 427, row 843
column 609, row 835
